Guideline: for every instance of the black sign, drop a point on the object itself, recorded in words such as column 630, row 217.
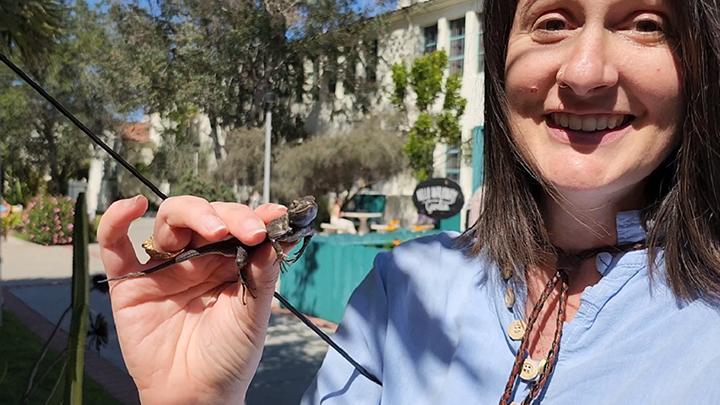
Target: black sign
column 438, row 198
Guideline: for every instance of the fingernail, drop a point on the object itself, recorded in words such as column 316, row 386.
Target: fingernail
column 278, row 207
column 131, row 202
column 214, row 224
column 253, row 227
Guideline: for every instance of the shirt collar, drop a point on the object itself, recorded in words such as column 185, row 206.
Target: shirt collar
column 630, row 227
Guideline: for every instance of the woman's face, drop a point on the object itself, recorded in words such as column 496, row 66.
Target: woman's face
column 594, row 91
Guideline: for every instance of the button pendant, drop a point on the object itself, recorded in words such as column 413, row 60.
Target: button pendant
column 541, row 366
column 509, row 297
column 516, row 330
column 529, row 370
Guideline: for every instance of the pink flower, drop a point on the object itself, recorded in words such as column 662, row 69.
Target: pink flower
column 70, row 227
column 56, row 210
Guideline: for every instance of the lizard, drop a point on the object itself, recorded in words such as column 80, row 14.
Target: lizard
column 293, row 226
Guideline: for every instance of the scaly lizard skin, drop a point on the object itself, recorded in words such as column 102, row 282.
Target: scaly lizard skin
column 294, row 225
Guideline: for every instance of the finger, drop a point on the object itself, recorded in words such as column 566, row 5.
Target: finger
column 268, row 212
column 179, row 218
column 116, row 249
column 262, row 273
column 243, row 223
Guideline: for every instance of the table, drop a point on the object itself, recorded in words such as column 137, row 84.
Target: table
column 363, row 217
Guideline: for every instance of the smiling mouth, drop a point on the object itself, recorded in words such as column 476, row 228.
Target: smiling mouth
column 590, row 123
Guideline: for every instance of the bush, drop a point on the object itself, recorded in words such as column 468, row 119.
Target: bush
column 191, row 184
column 9, row 222
column 48, row 220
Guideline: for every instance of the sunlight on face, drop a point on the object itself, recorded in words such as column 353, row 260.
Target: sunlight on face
column 594, row 92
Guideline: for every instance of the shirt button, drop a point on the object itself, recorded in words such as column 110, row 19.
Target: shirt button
column 516, row 330
column 602, row 262
column 529, row 370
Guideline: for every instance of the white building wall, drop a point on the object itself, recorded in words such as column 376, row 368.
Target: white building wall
column 404, row 41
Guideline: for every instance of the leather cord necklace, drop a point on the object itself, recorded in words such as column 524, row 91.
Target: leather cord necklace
column 566, row 263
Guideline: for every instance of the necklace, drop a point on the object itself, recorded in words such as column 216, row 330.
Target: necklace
column 566, row 263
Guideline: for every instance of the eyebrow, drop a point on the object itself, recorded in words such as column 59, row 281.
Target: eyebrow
column 526, row 7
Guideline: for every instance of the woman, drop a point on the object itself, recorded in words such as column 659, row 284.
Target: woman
column 336, row 214
column 602, row 156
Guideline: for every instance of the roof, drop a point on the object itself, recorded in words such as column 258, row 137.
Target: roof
column 137, row 131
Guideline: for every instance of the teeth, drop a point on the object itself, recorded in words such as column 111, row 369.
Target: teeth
column 587, row 123
column 602, row 123
column 575, row 122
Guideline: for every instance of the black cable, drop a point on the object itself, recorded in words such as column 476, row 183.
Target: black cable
column 160, row 194
column 327, row 339
column 81, row 126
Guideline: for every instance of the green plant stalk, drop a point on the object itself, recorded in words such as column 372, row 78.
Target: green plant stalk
column 80, row 305
column 56, row 395
column 31, row 385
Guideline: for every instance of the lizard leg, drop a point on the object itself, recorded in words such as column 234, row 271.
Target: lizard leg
column 305, row 244
column 282, row 258
column 241, row 262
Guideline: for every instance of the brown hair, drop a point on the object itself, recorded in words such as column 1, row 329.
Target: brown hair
column 683, row 193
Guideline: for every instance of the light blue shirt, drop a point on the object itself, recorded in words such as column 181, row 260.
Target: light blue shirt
column 432, row 325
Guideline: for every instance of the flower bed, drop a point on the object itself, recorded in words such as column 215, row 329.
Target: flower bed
column 48, row 220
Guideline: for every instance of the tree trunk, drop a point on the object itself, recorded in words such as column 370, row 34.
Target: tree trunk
column 52, row 153
column 217, row 149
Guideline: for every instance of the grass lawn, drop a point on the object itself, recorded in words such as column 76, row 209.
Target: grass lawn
column 19, row 349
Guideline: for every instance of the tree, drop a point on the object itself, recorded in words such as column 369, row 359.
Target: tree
column 425, row 79
column 361, row 157
column 39, row 139
column 30, row 26
column 220, row 57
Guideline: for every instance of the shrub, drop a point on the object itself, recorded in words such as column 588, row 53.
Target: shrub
column 48, row 220
column 9, row 222
column 193, row 185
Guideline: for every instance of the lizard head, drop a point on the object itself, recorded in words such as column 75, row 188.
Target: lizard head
column 302, row 211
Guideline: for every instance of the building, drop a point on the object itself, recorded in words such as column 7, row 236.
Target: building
column 417, row 27
column 414, row 28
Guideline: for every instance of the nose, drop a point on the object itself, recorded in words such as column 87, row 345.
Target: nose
column 588, row 68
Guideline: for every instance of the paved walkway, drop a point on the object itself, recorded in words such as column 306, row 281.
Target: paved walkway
column 36, row 284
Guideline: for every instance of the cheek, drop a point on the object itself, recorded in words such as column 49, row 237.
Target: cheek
column 528, row 78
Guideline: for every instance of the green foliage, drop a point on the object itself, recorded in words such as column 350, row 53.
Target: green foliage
column 30, row 26
column 420, row 147
column 19, row 348
column 9, row 222
column 194, row 185
column 425, row 79
column 40, row 140
column 400, row 83
column 48, row 220
column 80, row 307
column 220, row 57
column 363, row 156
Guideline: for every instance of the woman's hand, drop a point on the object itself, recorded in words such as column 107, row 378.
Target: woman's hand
column 185, row 334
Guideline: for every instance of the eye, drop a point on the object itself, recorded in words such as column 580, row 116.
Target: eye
column 553, row 25
column 648, row 26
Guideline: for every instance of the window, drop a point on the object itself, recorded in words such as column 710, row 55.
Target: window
column 457, row 45
column 481, row 44
column 349, row 75
column 430, row 39
column 372, row 61
column 452, row 165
